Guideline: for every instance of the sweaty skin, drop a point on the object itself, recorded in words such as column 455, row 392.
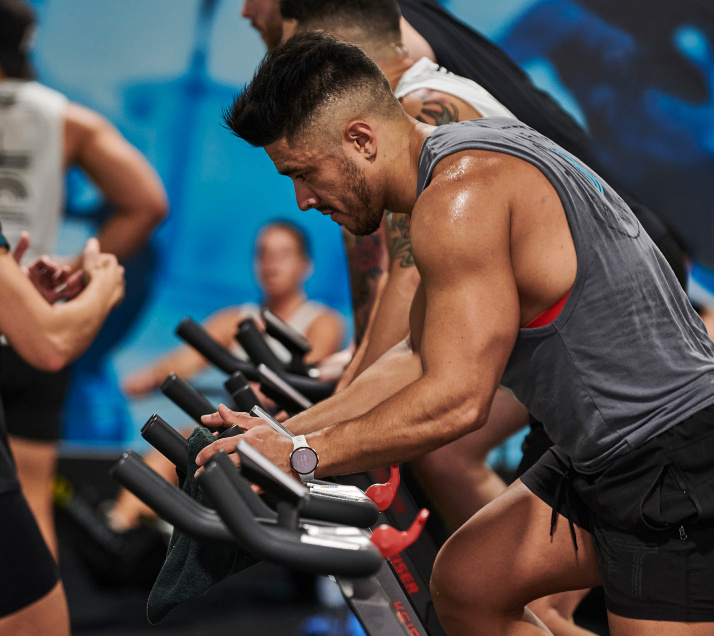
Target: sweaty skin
column 492, row 245
column 389, row 323
column 482, row 259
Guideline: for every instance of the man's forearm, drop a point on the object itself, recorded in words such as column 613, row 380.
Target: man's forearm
column 355, row 364
column 51, row 336
column 389, row 323
column 125, row 232
column 419, row 418
column 398, row 368
column 366, row 260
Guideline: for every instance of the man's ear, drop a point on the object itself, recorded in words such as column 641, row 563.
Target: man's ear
column 289, row 29
column 360, row 138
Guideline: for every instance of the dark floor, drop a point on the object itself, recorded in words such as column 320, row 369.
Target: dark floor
column 263, row 599
column 254, row 602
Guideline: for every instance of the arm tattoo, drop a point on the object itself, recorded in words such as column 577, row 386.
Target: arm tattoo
column 399, row 238
column 438, row 110
column 365, row 262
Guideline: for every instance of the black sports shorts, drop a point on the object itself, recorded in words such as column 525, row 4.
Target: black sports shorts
column 33, row 399
column 27, row 569
column 651, row 516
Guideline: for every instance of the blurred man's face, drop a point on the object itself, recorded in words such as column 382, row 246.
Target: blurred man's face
column 264, row 16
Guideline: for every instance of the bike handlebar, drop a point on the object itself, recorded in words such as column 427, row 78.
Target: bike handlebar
column 277, row 389
column 195, row 335
column 170, row 503
column 255, row 346
column 314, row 549
column 188, row 399
column 322, row 505
column 167, row 440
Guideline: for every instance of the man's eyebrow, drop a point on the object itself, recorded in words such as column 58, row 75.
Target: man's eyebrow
column 286, row 171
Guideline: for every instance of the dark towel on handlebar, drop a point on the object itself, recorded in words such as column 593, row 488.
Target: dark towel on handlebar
column 192, row 566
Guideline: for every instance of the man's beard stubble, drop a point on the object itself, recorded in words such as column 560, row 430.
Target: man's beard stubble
column 365, row 215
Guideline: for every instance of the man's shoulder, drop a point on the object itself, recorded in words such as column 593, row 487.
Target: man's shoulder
column 462, row 169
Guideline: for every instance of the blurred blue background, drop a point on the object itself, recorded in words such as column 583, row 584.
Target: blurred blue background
column 637, row 74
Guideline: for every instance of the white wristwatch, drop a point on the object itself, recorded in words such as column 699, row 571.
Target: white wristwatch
column 303, row 459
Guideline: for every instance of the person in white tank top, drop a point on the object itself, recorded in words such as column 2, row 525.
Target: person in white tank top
column 426, row 75
column 32, row 170
column 282, row 264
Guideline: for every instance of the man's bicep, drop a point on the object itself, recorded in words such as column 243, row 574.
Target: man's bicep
column 469, row 328
column 119, row 170
column 471, row 300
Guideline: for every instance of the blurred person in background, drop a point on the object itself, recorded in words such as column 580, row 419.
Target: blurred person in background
column 42, row 135
column 48, row 335
column 282, row 265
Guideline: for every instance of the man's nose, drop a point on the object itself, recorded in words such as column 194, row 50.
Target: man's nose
column 306, row 198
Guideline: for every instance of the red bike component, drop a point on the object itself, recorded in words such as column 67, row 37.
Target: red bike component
column 391, row 541
column 383, row 494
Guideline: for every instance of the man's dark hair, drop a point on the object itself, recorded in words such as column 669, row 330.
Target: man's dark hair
column 299, row 80
column 17, row 26
column 377, row 18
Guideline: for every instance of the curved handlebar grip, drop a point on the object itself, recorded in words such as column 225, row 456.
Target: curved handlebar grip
column 277, row 389
column 183, row 395
column 323, row 503
column 260, row 353
column 241, row 485
column 255, row 346
column 291, row 339
column 194, row 334
column 167, row 440
column 170, row 503
column 241, row 392
column 297, row 549
column 391, row 541
column 325, row 506
column 383, row 494
column 313, row 390
column 257, row 468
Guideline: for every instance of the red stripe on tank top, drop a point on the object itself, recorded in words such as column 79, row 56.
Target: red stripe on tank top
column 549, row 315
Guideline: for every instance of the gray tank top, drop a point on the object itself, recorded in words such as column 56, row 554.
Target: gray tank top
column 627, row 357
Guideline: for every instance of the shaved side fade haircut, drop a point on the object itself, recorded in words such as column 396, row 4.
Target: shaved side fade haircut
column 310, row 76
column 377, row 21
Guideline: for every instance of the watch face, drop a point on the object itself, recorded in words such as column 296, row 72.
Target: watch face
column 303, row 460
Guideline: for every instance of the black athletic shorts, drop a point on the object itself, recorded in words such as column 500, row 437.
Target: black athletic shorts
column 33, row 399
column 27, row 569
column 534, row 444
column 651, row 516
